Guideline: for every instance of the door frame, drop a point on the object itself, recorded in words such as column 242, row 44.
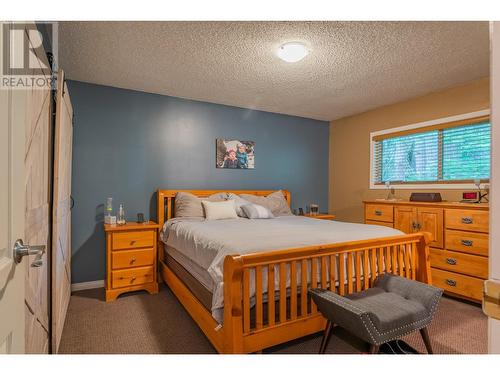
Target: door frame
column 494, row 256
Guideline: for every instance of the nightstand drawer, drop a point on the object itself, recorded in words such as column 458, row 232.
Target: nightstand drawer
column 466, row 286
column 379, row 212
column 467, row 242
column 133, row 276
column 462, row 263
column 134, row 239
column 472, row 220
column 132, row 258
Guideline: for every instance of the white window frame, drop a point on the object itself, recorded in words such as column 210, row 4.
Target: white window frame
column 436, row 185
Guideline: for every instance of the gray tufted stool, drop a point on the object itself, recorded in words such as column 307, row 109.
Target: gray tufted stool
column 393, row 307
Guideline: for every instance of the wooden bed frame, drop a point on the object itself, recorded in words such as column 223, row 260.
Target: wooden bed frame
column 295, row 316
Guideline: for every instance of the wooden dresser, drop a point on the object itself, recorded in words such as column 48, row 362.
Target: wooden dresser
column 131, row 258
column 459, row 251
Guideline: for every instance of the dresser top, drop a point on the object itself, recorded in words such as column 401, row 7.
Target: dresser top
column 130, row 226
column 443, row 204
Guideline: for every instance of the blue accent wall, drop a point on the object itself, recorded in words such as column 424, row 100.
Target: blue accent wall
column 127, row 144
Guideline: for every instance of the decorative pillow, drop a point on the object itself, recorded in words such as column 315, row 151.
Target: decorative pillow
column 238, row 202
column 275, row 202
column 189, row 205
column 219, row 210
column 255, row 211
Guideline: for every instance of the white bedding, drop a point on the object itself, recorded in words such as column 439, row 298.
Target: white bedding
column 207, row 242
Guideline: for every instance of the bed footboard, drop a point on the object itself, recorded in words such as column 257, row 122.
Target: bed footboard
column 265, row 294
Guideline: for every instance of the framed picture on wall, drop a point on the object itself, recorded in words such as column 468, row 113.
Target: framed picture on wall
column 235, row 154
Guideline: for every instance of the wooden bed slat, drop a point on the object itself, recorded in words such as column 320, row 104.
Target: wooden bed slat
column 407, row 262
column 270, row 295
column 357, row 262
column 413, row 261
column 349, row 274
column 258, row 298
column 303, row 287
column 366, row 272
column 314, row 281
column 341, row 274
column 246, row 300
column 282, row 292
column 373, row 265
column 324, row 281
column 387, row 258
column 293, row 289
column 380, row 258
column 400, row 261
column 333, row 260
column 393, row 259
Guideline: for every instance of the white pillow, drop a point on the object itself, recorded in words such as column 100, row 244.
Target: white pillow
column 219, row 210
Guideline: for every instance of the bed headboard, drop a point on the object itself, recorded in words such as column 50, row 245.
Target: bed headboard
column 166, row 199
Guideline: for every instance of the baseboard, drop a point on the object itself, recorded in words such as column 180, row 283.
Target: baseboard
column 87, row 285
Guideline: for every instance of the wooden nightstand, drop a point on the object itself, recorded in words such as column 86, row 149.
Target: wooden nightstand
column 321, row 216
column 131, row 258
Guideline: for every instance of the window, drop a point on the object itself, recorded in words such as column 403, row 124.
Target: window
column 446, row 152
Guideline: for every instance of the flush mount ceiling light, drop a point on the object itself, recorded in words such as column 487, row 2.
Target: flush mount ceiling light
column 292, row 52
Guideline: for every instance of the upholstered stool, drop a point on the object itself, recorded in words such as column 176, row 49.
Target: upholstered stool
column 392, row 308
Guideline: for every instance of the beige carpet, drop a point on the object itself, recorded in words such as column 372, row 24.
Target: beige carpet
column 143, row 323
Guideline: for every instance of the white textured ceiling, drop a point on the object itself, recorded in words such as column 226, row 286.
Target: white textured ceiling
column 352, row 66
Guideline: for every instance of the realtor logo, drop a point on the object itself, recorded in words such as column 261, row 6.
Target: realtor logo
column 24, row 59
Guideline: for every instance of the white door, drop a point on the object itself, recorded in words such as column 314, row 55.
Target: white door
column 12, row 210
column 494, row 324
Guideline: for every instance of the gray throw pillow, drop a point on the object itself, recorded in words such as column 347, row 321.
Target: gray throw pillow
column 189, row 205
column 255, row 211
column 275, row 202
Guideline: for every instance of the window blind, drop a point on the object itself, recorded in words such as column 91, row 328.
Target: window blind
column 438, row 154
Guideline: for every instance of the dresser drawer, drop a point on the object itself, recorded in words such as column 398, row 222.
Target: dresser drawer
column 383, row 223
column 379, row 212
column 471, row 220
column 132, row 258
column 466, row 286
column 132, row 240
column 467, row 242
column 132, row 276
column 471, row 265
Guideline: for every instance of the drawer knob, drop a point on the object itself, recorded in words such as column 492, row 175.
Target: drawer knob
column 466, row 220
column 451, row 261
column 132, row 260
column 466, row 242
column 133, row 242
column 132, row 279
column 451, row 282
column 378, row 212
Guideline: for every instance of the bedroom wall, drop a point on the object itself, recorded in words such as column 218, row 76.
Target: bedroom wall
column 350, row 143
column 127, row 144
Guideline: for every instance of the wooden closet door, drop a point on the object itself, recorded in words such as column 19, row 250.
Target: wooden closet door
column 404, row 218
column 61, row 244
column 38, row 160
column 431, row 220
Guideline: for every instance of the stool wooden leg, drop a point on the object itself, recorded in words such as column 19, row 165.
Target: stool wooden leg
column 326, row 337
column 374, row 349
column 425, row 336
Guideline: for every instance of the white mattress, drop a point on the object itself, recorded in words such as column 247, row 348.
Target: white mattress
column 207, row 242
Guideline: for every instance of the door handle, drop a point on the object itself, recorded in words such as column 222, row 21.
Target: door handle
column 21, row 250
